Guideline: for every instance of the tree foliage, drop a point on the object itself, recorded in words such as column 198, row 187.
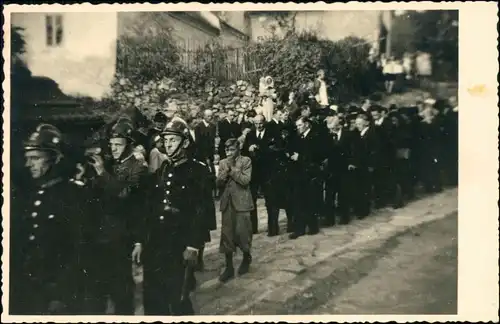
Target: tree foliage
column 294, row 61
column 432, row 31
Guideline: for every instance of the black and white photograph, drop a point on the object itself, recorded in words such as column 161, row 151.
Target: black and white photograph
column 243, row 162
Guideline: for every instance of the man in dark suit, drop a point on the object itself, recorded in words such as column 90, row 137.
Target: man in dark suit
column 257, row 147
column 383, row 178
column 227, row 128
column 274, row 125
column 307, row 155
column 206, row 140
column 338, row 181
column 365, row 159
column 194, row 151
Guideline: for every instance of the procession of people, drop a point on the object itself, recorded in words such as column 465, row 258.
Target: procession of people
column 80, row 227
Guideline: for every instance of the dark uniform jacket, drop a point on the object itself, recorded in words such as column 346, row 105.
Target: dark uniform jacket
column 174, row 212
column 172, row 220
column 45, row 237
column 117, row 200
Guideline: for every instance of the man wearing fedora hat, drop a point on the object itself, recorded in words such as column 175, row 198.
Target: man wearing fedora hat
column 172, row 230
column 116, row 209
column 45, row 231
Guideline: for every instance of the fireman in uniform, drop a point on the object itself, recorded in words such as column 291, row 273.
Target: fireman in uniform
column 116, row 206
column 173, row 230
column 44, row 231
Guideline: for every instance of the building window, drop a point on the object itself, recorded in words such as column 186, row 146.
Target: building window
column 54, row 30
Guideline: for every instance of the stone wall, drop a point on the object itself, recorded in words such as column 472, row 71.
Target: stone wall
column 165, row 96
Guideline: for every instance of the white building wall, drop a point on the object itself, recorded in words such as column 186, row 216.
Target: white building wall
column 84, row 63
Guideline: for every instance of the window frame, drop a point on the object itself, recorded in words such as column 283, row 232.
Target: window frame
column 54, row 31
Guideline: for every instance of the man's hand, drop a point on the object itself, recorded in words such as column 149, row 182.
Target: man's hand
column 351, row 167
column 252, row 148
column 97, row 162
column 295, row 156
column 81, row 171
column 136, row 253
column 232, row 162
column 191, row 256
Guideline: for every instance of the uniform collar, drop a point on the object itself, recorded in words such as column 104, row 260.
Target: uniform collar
column 51, row 182
column 178, row 162
column 128, row 157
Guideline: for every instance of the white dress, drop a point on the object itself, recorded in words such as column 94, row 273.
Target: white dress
column 267, row 108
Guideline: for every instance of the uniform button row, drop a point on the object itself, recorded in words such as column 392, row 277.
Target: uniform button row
column 35, row 214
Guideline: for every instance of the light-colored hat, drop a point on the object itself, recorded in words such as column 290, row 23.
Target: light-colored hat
column 430, row 101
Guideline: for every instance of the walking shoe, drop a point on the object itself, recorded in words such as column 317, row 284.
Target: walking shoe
column 245, row 264
column 271, row 234
column 294, row 236
column 313, row 232
column 227, row 275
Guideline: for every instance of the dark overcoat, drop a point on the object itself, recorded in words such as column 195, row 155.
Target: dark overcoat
column 44, row 248
column 173, row 219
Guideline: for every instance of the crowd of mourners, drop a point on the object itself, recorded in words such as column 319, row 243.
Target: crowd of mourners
column 79, row 227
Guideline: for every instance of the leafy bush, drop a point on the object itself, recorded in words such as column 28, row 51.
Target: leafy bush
column 155, row 75
column 294, row 61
